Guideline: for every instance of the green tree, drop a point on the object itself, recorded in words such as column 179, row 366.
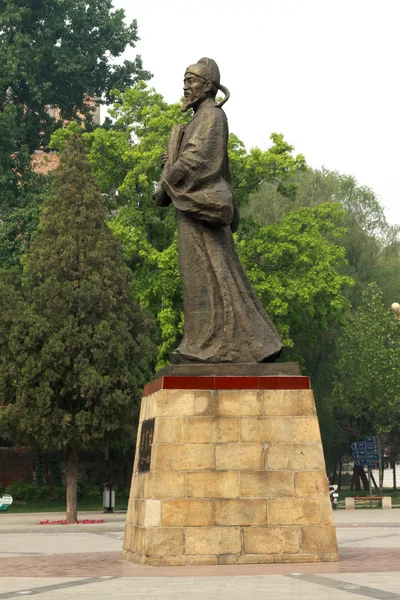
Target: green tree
column 372, row 254
column 54, row 55
column 367, row 389
column 80, row 348
column 294, row 267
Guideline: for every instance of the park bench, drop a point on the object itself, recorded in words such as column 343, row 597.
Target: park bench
column 350, row 501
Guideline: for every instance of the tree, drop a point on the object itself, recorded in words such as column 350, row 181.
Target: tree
column 57, row 54
column 80, row 348
column 372, row 254
column 367, row 388
column 294, row 267
column 54, row 56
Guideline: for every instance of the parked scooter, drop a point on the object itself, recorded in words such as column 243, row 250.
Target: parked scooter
column 334, row 495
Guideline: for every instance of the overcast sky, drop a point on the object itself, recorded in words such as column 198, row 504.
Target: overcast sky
column 325, row 73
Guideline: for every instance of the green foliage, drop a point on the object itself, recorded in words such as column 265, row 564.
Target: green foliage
column 28, row 492
column 367, row 389
column 293, row 265
column 58, row 54
column 53, row 55
column 276, row 166
column 76, row 348
column 21, row 491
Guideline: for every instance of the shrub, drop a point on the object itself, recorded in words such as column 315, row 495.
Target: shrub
column 28, row 492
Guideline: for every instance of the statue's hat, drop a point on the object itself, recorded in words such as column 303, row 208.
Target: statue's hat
column 207, row 69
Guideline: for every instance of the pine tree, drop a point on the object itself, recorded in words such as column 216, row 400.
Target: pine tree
column 82, row 348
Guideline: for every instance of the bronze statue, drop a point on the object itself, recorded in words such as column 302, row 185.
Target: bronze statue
column 224, row 319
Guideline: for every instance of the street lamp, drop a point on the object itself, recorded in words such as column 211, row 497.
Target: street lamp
column 396, row 309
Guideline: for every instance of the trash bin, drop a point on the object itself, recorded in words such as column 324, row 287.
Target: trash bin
column 108, row 498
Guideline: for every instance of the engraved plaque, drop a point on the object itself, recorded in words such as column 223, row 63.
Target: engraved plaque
column 146, row 441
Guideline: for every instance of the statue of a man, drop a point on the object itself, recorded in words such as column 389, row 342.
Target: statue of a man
column 224, row 319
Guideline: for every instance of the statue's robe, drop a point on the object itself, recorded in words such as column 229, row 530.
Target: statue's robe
column 224, row 319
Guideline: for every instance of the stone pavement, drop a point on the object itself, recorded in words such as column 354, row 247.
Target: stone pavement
column 83, row 562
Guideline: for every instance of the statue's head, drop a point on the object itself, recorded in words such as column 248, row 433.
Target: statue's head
column 201, row 81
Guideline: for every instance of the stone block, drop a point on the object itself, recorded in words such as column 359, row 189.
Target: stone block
column 144, row 407
column 294, row 511
column 128, row 537
column 138, row 485
column 152, row 515
column 318, row 540
column 236, row 403
column 187, row 513
column 306, row 430
column 349, row 503
column 165, row 541
column 326, row 511
column 131, row 515
column 266, row 429
column 183, row 457
column 266, row 484
column 148, row 408
column 271, row 540
column 241, row 512
column 139, row 540
column 174, row 403
column 310, row 483
column 213, row 540
column 213, row 429
column 211, row 484
column 241, row 457
column 204, row 403
column 291, row 403
column 165, row 485
column 174, row 561
column 141, row 512
column 170, row 430
column 387, row 502
column 247, row 559
column 295, row 457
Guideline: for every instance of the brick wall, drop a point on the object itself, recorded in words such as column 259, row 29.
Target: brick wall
column 44, row 162
column 15, row 463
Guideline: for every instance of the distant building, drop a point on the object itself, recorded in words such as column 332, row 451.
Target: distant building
column 45, row 161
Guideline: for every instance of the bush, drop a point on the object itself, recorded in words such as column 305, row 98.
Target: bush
column 58, row 492
column 28, row 492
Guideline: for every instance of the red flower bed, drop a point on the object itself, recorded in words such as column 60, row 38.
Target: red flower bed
column 64, row 522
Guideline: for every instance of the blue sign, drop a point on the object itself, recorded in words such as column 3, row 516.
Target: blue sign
column 371, row 440
column 373, row 448
column 373, row 457
column 366, row 453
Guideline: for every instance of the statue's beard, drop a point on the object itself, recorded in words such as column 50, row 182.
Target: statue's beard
column 192, row 101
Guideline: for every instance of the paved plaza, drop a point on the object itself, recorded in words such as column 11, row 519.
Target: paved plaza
column 56, row 562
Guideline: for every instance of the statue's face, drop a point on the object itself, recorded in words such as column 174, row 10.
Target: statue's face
column 195, row 90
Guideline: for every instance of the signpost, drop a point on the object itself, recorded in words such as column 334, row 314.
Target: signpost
column 5, row 501
column 367, row 454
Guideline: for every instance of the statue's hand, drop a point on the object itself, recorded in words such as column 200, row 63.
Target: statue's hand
column 164, row 159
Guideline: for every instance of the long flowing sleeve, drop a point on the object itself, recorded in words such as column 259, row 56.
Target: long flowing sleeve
column 196, row 182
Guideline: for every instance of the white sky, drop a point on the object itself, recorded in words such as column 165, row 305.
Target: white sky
column 322, row 72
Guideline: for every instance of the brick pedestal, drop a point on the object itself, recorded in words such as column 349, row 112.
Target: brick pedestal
column 236, row 475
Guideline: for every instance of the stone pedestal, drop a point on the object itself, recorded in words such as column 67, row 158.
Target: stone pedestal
column 233, row 473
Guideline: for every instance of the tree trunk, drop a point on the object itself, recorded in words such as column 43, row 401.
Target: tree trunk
column 72, row 480
column 340, row 474
column 394, row 474
column 360, row 474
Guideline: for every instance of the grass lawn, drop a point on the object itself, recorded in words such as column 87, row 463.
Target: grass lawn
column 59, row 506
